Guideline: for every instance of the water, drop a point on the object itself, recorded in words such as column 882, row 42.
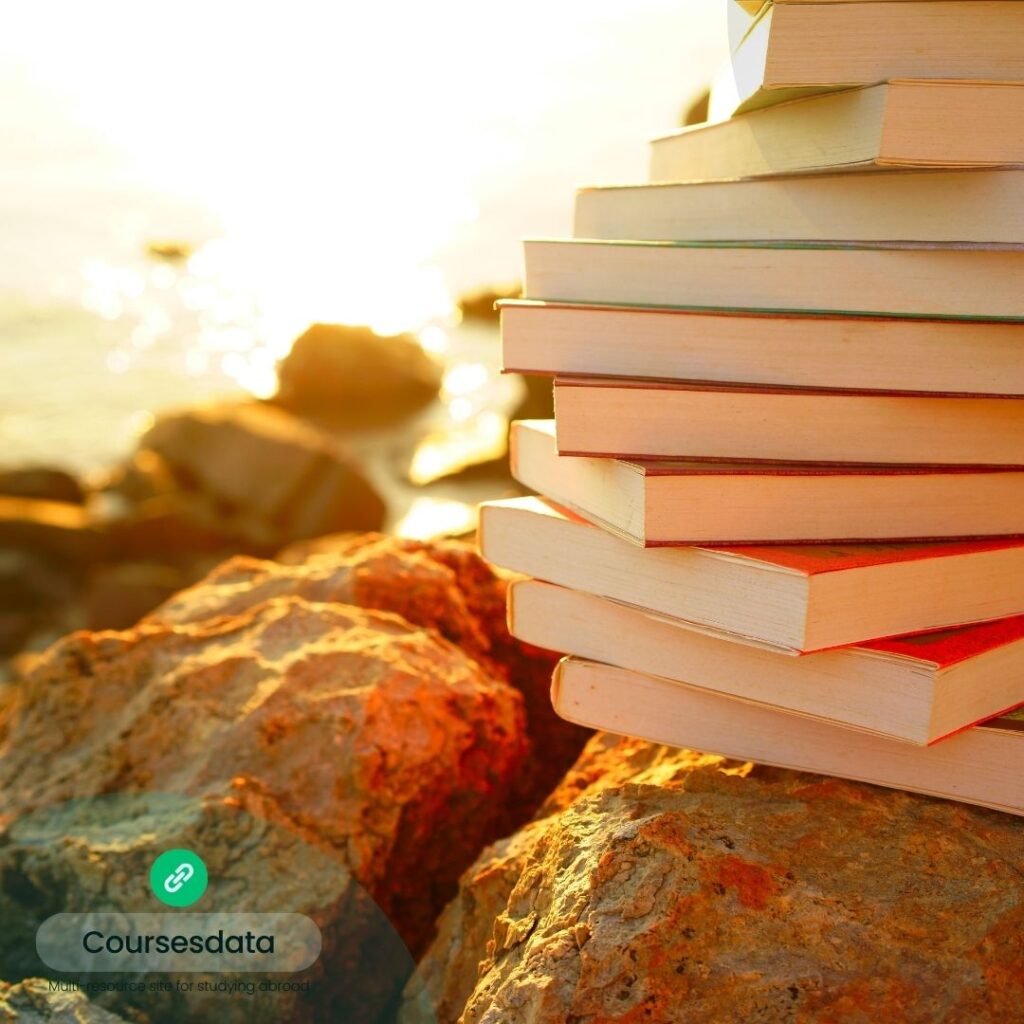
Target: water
column 361, row 167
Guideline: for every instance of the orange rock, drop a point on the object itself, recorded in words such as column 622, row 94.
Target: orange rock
column 269, row 472
column 670, row 886
column 369, row 737
column 33, row 1001
column 355, row 375
column 442, row 585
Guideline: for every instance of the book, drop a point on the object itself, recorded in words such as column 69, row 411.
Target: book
column 787, row 598
column 661, row 419
column 902, row 123
column 915, row 279
column 978, row 766
column 918, row 689
column 815, row 45
column 984, row 206
column 776, row 349
column 675, row 501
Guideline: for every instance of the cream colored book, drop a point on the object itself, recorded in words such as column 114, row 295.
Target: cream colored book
column 790, row 598
column 661, row 419
column 774, row 349
column 894, row 124
column 977, row 766
column 916, row 279
column 817, row 45
column 918, row 689
column 985, row 206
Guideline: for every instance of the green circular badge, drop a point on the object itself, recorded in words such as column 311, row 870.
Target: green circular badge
column 178, row 878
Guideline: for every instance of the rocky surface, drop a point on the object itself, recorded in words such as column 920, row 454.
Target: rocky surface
column 353, row 374
column 370, row 738
column 31, row 1002
column 96, row 853
column 666, row 886
column 441, row 585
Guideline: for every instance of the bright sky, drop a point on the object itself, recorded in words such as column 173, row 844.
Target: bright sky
column 354, row 152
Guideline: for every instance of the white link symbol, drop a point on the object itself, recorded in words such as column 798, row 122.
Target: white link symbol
column 173, row 882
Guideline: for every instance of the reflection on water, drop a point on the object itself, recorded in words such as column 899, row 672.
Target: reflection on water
column 434, row 517
column 80, row 380
column 202, row 316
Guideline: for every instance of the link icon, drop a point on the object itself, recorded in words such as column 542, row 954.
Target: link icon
column 178, row 878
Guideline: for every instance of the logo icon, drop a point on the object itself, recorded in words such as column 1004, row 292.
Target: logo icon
column 178, row 878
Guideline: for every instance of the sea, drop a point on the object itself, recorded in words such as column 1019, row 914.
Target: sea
column 182, row 193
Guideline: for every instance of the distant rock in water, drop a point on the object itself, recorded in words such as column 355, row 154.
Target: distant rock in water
column 172, row 251
column 479, row 305
column 353, row 375
column 669, row 886
column 270, row 477
column 33, row 1001
column 41, row 482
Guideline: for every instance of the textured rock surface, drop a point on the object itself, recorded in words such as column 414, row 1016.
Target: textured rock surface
column 273, row 478
column 375, row 742
column 96, row 853
column 353, row 373
column 441, row 585
column 32, row 1002
column 364, row 734
column 680, row 887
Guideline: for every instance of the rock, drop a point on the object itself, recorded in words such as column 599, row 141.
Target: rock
column 54, row 529
column 447, row 586
column 32, row 1001
column 479, row 305
column 41, row 482
column 143, row 476
column 121, row 593
column 94, row 855
column 678, row 886
column 177, row 528
column 376, row 740
column 270, row 474
column 33, row 588
column 30, row 581
column 352, row 374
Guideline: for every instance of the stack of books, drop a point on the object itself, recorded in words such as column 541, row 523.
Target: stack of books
column 781, row 504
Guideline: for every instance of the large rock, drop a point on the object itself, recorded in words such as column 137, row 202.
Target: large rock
column 41, row 482
column 272, row 477
column 96, row 853
column 55, row 529
column 353, row 374
column 40, row 1001
column 120, row 593
column 673, row 886
column 442, row 585
column 375, row 740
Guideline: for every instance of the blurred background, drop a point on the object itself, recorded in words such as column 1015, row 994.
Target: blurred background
column 184, row 190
